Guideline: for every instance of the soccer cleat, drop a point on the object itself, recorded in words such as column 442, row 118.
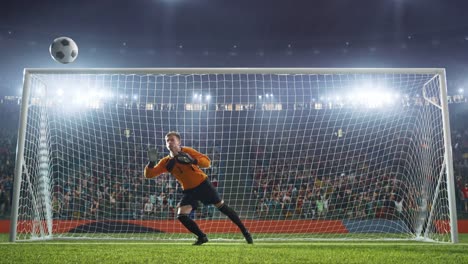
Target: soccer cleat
column 248, row 238
column 200, row 241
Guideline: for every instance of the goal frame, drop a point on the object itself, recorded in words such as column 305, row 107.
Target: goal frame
column 448, row 158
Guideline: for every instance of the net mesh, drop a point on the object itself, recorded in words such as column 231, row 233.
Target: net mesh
column 298, row 156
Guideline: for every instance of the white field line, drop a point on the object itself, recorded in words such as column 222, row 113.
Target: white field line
column 392, row 244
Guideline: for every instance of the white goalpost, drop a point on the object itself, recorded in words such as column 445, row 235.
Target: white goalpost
column 299, row 153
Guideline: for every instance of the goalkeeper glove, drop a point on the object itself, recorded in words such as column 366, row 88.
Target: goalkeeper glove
column 185, row 158
column 153, row 157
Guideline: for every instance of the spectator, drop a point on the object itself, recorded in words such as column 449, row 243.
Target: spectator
column 56, row 207
column 148, row 209
column 308, row 208
column 320, row 207
column 398, row 207
column 3, row 201
column 465, row 196
column 94, row 209
column 262, row 209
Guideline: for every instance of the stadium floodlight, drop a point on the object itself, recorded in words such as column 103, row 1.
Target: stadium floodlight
column 105, row 94
column 388, row 98
column 374, row 99
column 393, row 166
column 60, row 92
column 92, row 93
column 80, row 99
column 461, row 90
column 40, row 92
column 208, row 97
column 109, row 94
column 350, row 97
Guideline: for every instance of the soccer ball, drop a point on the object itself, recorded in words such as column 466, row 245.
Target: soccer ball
column 64, row 50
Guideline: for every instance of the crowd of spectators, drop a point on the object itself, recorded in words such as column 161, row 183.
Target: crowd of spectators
column 321, row 185
column 8, row 133
column 459, row 124
column 288, row 176
column 369, row 181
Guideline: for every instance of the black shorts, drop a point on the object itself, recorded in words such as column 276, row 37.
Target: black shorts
column 205, row 193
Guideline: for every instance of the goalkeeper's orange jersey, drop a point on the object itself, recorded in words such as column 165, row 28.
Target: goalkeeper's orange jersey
column 188, row 175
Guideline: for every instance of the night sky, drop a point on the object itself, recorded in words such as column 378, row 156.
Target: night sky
column 237, row 33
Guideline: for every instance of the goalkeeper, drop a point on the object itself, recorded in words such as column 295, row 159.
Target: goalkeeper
column 184, row 164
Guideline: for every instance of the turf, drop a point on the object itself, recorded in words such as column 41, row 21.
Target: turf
column 92, row 251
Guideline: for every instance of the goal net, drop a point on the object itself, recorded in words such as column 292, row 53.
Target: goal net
column 300, row 154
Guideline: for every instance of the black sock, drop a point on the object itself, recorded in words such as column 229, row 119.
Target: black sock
column 229, row 212
column 190, row 225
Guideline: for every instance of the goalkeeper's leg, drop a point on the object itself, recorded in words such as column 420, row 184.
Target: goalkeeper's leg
column 229, row 212
column 182, row 216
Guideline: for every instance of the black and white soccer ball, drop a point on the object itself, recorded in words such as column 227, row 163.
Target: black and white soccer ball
column 64, row 50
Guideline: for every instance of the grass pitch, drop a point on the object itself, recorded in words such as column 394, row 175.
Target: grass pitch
column 93, row 251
